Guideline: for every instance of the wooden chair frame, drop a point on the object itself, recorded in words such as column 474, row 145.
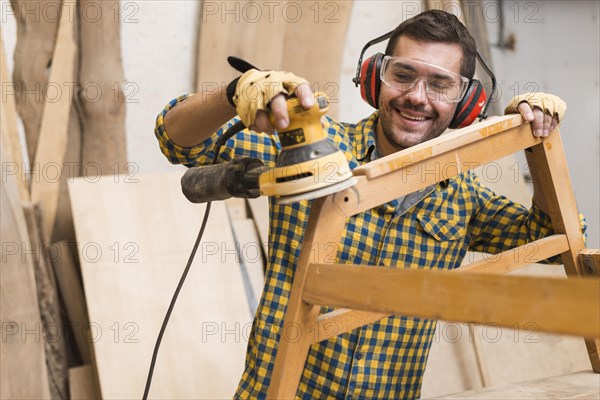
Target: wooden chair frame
column 365, row 294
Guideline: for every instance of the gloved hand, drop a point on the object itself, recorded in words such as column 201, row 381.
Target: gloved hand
column 257, row 91
column 544, row 110
column 548, row 103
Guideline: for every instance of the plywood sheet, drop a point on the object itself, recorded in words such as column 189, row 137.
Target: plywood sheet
column 246, row 29
column 83, row 384
column 305, row 38
column 313, row 45
column 134, row 240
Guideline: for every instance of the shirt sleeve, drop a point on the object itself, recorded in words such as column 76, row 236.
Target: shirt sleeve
column 246, row 143
column 500, row 224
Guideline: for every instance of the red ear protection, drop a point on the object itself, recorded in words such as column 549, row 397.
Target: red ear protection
column 370, row 80
column 470, row 107
column 467, row 110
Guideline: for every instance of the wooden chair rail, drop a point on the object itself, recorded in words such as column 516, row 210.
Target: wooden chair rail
column 475, row 298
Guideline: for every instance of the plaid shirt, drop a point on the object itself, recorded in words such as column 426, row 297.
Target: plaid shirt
column 433, row 228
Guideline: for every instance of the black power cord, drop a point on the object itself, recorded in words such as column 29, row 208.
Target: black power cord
column 235, row 128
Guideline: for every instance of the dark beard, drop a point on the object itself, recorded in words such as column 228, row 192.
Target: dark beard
column 387, row 125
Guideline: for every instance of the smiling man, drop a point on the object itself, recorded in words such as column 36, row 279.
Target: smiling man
column 429, row 61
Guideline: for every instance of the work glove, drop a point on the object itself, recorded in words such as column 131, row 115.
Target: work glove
column 255, row 89
column 548, row 103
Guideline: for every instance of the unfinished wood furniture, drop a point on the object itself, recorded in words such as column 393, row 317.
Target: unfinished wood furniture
column 365, row 294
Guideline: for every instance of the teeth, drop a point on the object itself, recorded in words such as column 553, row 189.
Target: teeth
column 413, row 118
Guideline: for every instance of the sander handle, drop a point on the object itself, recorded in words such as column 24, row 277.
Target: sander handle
column 236, row 178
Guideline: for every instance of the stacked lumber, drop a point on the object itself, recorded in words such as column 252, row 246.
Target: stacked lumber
column 47, row 94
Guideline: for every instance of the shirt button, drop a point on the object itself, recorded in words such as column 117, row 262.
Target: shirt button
column 359, row 355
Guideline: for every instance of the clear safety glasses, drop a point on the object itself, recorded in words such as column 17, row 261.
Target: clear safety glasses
column 440, row 84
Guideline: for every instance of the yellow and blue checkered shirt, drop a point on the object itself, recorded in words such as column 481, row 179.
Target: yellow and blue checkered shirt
column 386, row 359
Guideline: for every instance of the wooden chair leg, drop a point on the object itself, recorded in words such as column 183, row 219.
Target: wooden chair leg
column 548, row 164
column 326, row 221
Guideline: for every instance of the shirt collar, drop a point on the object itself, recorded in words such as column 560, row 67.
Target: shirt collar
column 365, row 137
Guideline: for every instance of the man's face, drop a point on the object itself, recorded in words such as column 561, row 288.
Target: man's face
column 410, row 117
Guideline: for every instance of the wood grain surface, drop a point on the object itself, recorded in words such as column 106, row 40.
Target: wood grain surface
column 134, row 238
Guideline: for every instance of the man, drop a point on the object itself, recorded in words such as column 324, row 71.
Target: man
column 433, row 228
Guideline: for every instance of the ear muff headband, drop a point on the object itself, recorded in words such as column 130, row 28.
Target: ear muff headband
column 473, row 105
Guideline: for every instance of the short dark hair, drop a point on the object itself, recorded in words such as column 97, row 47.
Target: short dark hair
column 438, row 26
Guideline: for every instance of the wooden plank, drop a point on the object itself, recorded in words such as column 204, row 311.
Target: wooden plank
column 266, row 34
column 250, row 30
column 589, row 262
column 52, row 142
column 578, row 385
column 518, row 257
column 260, row 214
column 567, row 306
column 474, row 19
column 23, row 371
column 484, row 376
column 73, row 298
column 250, row 258
column 440, row 145
column 132, row 254
column 13, row 157
column 30, row 75
column 417, row 169
column 322, row 25
column 343, row 320
column 103, row 105
column 63, row 229
column 49, row 302
column 83, row 384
